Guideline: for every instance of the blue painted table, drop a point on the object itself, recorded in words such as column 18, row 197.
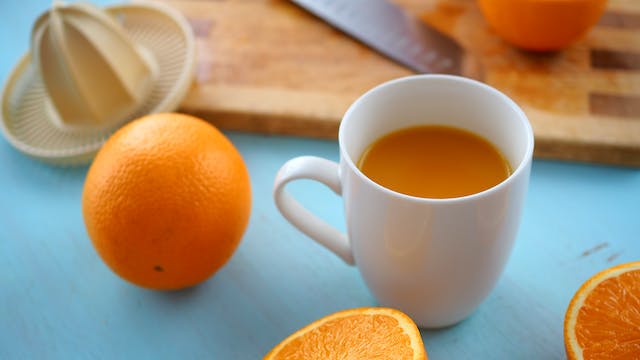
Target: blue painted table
column 58, row 300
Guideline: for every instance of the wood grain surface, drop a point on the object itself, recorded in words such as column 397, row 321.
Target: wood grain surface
column 270, row 67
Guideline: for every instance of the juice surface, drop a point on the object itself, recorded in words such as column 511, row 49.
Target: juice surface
column 434, row 162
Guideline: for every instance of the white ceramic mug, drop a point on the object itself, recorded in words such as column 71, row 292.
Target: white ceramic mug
column 434, row 259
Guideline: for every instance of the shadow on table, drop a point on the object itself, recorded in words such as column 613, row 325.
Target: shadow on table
column 513, row 323
column 34, row 174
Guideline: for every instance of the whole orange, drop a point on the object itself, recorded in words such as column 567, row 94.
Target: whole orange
column 166, row 201
column 542, row 25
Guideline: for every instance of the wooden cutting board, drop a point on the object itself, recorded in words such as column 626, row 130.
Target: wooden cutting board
column 270, row 67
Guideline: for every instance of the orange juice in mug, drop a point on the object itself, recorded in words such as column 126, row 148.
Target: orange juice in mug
column 434, row 161
column 434, row 253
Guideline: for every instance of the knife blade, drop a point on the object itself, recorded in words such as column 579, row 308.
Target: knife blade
column 393, row 32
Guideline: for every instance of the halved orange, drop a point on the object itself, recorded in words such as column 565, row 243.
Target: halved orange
column 542, row 25
column 603, row 318
column 362, row 333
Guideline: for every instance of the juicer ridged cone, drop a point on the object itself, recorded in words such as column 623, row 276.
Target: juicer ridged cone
column 27, row 112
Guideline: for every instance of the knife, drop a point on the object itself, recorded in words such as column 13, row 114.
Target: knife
column 396, row 34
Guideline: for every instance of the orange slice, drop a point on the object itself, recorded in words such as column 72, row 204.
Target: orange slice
column 362, row 333
column 603, row 318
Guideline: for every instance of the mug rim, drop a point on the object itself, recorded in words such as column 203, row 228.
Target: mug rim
column 524, row 163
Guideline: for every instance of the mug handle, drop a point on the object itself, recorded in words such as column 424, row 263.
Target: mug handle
column 325, row 172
